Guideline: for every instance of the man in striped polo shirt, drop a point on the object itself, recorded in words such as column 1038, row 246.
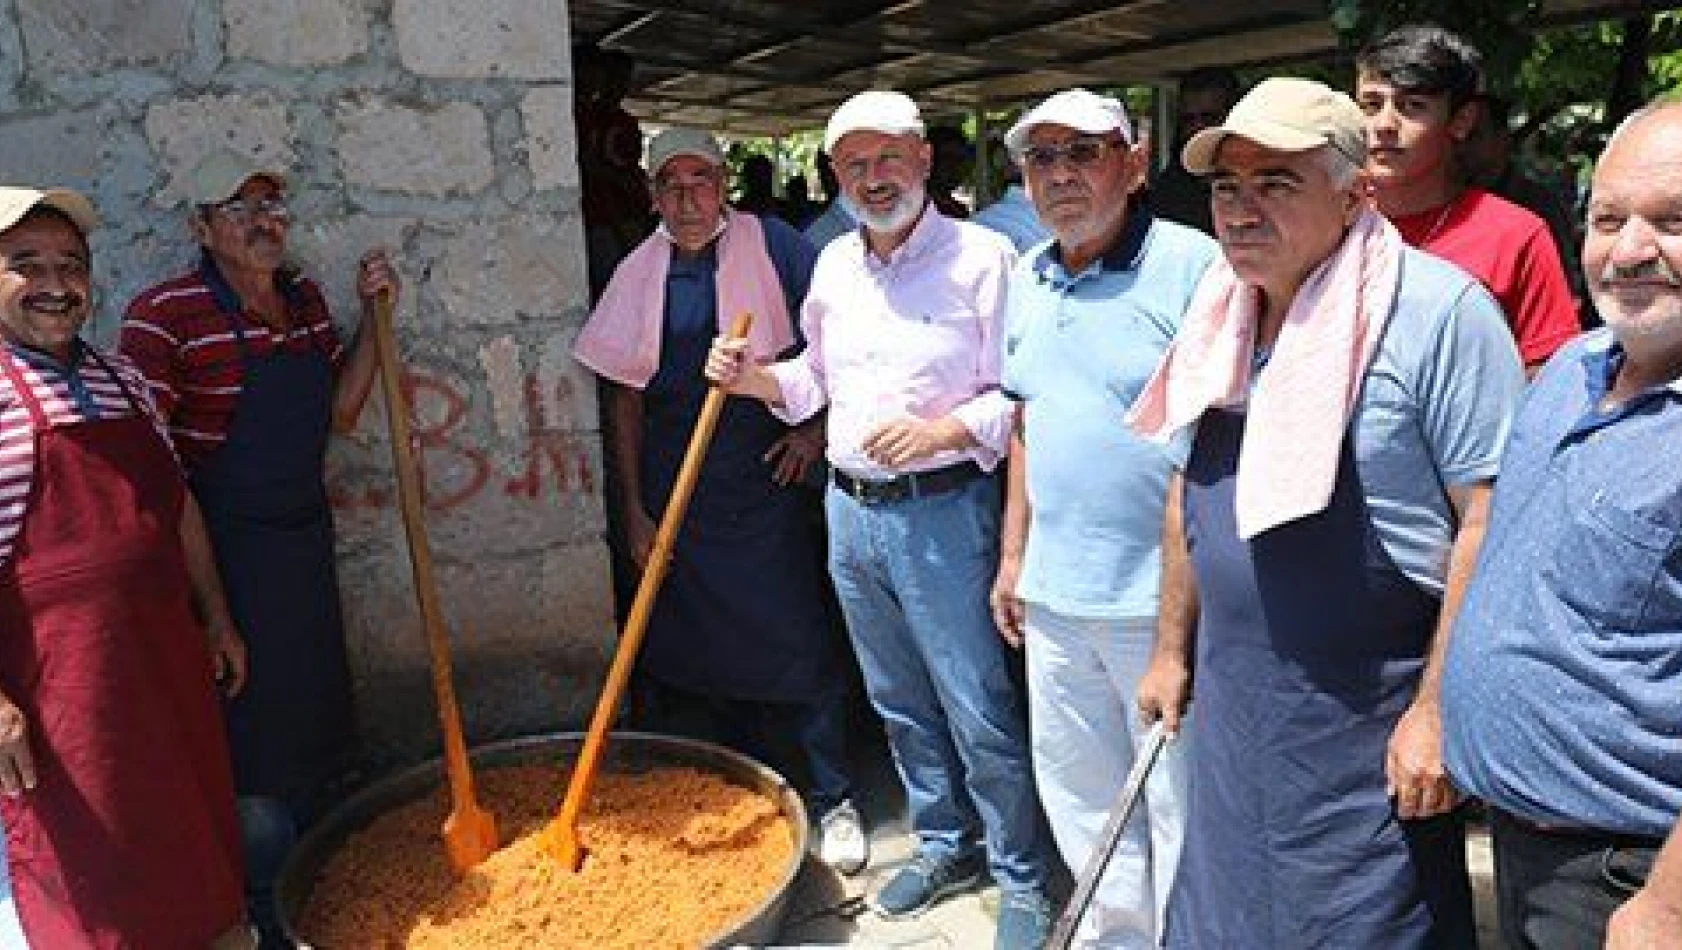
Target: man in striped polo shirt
column 244, row 363
column 115, row 790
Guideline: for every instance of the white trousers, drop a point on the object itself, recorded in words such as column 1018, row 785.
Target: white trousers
column 1083, row 674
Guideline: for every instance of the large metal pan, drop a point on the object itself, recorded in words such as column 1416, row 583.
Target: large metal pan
column 627, row 752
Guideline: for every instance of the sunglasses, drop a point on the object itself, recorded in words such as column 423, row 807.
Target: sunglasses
column 1081, row 153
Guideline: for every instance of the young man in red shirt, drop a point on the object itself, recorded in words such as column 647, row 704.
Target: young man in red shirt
column 1417, row 86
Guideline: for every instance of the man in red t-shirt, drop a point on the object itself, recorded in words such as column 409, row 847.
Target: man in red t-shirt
column 1418, row 86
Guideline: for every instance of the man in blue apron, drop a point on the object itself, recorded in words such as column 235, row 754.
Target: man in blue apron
column 242, row 359
column 741, row 646
column 1350, row 397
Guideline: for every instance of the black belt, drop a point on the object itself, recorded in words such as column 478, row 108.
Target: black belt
column 1590, row 836
column 909, row 485
column 1626, row 860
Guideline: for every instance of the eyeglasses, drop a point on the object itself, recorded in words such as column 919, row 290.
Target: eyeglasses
column 239, row 209
column 1081, row 153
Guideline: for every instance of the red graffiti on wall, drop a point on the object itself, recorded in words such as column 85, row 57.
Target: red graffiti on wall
column 545, row 443
column 455, row 471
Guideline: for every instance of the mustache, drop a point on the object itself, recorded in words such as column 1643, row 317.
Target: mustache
column 63, row 298
column 1656, row 269
column 1065, row 192
column 1241, row 233
column 881, row 190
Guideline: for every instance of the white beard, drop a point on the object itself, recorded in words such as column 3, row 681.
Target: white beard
column 897, row 218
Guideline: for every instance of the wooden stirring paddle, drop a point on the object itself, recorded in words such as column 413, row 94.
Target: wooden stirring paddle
column 469, row 831
column 560, row 837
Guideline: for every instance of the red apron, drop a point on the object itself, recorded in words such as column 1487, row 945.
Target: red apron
column 128, row 839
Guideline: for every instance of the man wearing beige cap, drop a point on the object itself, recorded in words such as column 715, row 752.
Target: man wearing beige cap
column 244, row 363
column 1090, row 315
column 115, row 790
column 1350, row 397
column 741, row 647
column 903, row 344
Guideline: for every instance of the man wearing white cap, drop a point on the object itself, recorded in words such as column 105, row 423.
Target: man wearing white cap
column 1090, row 316
column 1350, row 398
column 115, row 789
column 243, row 361
column 902, row 330
column 741, row 648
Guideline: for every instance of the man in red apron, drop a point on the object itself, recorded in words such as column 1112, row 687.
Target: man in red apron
column 243, row 361
column 118, row 802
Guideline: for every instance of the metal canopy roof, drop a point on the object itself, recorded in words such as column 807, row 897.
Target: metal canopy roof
column 766, row 67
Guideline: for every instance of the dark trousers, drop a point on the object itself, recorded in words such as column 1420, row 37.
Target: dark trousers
column 804, row 742
column 1556, row 889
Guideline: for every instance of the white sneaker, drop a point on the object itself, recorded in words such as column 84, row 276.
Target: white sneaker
column 841, row 841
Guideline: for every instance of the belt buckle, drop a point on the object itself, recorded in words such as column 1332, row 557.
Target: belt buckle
column 877, row 493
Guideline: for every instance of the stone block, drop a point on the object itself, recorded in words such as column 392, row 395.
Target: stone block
column 329, row 250
column 496, row 272
column 519, row 39
column 435, row 152
column 296, row 32
column 78, row 36
column 530, row 639
column 183, row 131
column 65, row 148
column 551, row 141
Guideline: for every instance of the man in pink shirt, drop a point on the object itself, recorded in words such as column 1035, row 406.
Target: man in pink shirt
column 902, row 325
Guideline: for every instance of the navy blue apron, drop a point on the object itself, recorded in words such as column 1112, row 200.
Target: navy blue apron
column 265, row 505
column 1310, row 646
column 742, row 613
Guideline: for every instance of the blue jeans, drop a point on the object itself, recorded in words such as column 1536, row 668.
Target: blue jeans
column 912, row 577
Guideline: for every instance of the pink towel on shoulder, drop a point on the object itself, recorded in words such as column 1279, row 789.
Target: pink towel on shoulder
column 1300, row 406
column 621, row 339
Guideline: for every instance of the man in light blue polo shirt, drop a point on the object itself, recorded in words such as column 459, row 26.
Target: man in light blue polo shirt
column 1562, row 699
column 1090, row 314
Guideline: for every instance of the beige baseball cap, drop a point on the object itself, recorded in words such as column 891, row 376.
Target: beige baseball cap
column 675, row 141
column 221, row 174
column 874, row 110
column 1287, row 114
column 17, row 200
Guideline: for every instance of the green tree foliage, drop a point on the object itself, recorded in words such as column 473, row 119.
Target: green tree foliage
column 1499, row 28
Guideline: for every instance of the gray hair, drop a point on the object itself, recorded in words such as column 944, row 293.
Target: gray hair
column 1339, row 166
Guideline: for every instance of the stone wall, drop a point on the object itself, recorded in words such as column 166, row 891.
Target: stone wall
column 442, row 130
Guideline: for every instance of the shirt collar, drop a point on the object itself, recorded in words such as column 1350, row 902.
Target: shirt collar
column 288, row 280
column 46, row 361
column 1603, row 356
column 930, row 231
column 1121, row 257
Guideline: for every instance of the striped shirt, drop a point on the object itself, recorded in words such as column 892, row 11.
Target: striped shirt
column 84, row 391
column 181, row 335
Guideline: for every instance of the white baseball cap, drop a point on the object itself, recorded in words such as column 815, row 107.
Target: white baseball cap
column 675, row 141
column 1077, row 109
column 16, row 201
column 874, row 110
